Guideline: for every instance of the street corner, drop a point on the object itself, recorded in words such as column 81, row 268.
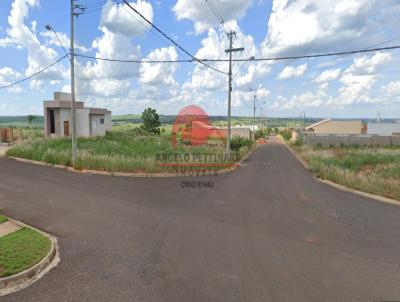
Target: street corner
column 27, row 254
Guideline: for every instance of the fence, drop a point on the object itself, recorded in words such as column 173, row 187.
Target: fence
column 333, row 140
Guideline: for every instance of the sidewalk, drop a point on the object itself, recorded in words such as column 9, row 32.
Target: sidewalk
column 3, row 150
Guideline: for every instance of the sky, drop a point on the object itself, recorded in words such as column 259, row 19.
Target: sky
column 353, row 86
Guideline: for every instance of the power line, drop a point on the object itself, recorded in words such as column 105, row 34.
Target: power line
column 329, row 54
column 33, row 75
column 216, row 13
column 170, row 39
column 134, row 61
column 242, row 60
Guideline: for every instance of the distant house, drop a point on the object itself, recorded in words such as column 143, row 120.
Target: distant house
column 329, row 126
column 384, row 129
column 89, row 121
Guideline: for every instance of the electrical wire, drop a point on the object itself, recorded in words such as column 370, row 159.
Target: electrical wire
column 243, row 60
column 171, row 40
column 34, row 74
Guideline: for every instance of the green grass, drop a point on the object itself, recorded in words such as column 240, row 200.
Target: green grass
column 3, row 219
column 372, row 170
column 21, row 250
column 124, row 149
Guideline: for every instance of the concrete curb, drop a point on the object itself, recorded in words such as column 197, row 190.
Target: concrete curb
column 341, row 187
column 124, row 174
column 14, row 283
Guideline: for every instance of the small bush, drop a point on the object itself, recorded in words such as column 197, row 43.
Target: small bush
column 238, row 142
column 286, row 134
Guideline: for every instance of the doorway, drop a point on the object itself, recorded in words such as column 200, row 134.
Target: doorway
column 52, row 122
column 66, row 128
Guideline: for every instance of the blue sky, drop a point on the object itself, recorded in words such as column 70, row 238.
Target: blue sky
column 350, row 86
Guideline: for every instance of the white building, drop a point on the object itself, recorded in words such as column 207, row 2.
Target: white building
column 89, row 121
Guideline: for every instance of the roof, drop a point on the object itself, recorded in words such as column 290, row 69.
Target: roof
column 318, row 124
column 97, row 111
column 62, row 104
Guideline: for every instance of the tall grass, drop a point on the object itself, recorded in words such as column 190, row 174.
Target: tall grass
column 125, row 149
column 373, row 170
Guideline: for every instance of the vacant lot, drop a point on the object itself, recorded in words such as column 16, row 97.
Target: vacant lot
column 125, row 149
column 372, row 170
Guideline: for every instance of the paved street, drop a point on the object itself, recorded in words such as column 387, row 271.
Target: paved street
column 266, row 232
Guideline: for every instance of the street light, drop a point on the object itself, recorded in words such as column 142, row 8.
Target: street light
column 49, row 28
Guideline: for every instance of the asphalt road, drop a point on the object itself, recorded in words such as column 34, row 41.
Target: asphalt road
column 266, row 232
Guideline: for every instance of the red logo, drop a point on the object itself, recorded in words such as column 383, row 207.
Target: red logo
column 193, row 127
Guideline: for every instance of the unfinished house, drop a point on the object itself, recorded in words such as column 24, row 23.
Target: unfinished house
column 89, row 121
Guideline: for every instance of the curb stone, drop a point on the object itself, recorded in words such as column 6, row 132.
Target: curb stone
column 125, row 174
column 341, row 187
column 17, row 282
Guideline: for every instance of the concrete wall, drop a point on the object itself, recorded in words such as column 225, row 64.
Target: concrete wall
column 108, row 121
column 96, row 127
column 350, row 140
column 383, row 128
column 339, row 127
column 242, row 132
column 82, row 122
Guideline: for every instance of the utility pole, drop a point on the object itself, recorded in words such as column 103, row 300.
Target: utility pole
column 72, row 57
column 230, row 50
column 254, row 115
column 74, row 13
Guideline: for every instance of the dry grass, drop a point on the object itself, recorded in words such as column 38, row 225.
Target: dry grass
column 372, row 170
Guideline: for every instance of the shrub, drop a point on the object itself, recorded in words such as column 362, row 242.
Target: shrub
column 286, row 134
column 238, row 142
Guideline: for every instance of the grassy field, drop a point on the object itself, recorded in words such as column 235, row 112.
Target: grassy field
column 21, row 250
column 372, row 170
column 124, row 149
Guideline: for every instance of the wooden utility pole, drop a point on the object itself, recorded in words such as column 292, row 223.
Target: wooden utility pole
column 230, row 50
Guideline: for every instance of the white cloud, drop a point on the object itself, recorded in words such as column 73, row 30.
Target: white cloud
column 292, row 72
column 65, row 42
column 392, row 89
column 122, row 20
column 200, row 13
column 327, row 76
column 309, row 26
column 21, row 36
column 159, row 74
column 104, row 78
column 366, row 64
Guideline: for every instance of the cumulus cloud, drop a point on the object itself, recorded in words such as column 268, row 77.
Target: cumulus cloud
column 159, row 74
column 308, row 26
column 292, row 72
column 369, row 64
column 327, row 76
column 392, row 89
column 121, row 20
column 118, row 27
column 22, row 36
column 200, row 13
column 65, row 42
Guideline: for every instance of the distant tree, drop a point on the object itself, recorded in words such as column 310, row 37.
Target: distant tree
column 31, row 118
column 151, row 121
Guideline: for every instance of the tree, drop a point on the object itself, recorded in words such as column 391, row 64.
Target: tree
column 31, row 118
column 151, row 121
